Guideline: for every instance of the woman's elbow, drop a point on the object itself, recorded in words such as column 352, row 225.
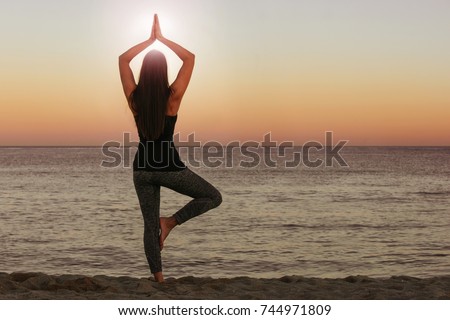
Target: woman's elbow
column 123, row 59
column 191, row 57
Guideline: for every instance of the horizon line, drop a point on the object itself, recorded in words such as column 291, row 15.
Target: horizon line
column 223, row 145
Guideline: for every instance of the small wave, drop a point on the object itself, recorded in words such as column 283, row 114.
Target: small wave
column 292, row 225
column 359, row 226
column 381, row 199
column 281, row 199
column 431, row 193
column 434, row 255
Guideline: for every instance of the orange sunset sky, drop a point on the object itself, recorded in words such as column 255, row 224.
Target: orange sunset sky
column 373, row 72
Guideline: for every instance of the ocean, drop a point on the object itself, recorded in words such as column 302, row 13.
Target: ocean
column 386, row 213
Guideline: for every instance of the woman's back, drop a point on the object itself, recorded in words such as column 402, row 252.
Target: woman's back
column 159, row 154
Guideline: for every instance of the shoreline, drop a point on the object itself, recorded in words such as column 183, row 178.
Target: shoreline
column 40, row 286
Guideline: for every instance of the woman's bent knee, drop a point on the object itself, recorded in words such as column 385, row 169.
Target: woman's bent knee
column 217, row 199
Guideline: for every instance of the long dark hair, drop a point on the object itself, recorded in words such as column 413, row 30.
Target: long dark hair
column 149, row 99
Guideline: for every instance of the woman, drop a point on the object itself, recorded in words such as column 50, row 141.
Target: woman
column 155, row 106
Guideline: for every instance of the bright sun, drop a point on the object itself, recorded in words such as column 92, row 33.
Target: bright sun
column 143, row 26
column 141, row 30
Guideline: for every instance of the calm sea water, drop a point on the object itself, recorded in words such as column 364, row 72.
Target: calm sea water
column 388, row 213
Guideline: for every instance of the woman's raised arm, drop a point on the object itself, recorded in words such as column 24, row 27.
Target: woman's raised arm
column 181, row 83
column 126, row 74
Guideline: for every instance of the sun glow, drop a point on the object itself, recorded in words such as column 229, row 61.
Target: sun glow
column 140, row 30
column 143, row 25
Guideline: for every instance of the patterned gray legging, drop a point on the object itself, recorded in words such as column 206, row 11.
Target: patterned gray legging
column 148, row 185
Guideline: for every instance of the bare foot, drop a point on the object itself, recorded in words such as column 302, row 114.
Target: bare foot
column 166, row 225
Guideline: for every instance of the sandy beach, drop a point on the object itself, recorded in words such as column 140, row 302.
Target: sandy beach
column 68, row 287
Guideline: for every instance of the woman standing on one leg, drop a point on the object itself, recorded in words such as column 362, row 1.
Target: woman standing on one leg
column 154, row 104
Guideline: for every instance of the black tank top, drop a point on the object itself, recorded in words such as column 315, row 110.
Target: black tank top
column 159, row 154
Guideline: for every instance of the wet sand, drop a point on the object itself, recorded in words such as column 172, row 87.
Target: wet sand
column 69, row 287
